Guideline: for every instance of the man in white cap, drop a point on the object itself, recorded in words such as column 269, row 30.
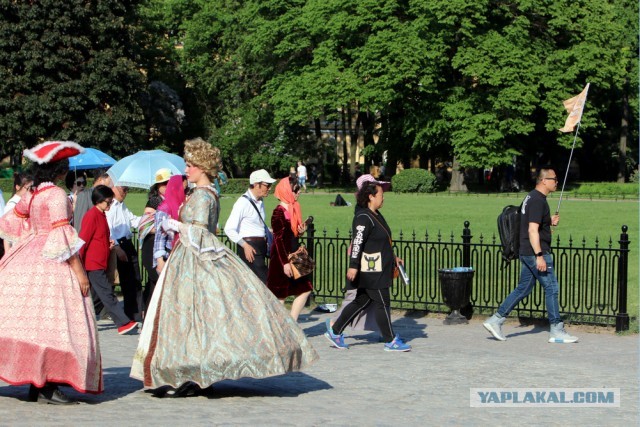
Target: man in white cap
column 247, row 226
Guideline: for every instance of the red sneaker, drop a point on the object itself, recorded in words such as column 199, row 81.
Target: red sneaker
column 130, row 328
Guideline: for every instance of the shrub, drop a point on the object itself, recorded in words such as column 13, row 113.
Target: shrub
column 236, row 186
column 414, row 181
column 635, row 176
column 607, row 189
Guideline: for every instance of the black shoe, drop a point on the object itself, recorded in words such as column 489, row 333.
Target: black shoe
column 33, row 393
column 160, row 391
column 187, row 389
column 52, row 394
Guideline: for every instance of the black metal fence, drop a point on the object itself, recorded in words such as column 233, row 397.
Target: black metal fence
column 592, row 280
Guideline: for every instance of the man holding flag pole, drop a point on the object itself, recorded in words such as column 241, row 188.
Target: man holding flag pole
column 535, row 242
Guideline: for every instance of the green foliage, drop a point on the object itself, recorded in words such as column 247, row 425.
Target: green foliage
column 611, row 189
column 236, row 186
column 414, row 181
column 67, row 73
column 479, row 80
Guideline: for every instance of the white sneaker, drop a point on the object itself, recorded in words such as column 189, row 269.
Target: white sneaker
column 494, row 325
column 557, row 334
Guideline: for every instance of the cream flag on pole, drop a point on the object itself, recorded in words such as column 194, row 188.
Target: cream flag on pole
column 574, row 107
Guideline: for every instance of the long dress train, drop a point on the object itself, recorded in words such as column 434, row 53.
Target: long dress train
column 210, row 317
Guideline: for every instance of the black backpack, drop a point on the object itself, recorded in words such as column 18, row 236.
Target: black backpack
column 509, row 231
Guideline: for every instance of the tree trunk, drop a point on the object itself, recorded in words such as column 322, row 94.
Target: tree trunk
column 624, row 132
column 345, row 154
column 321, row 152
column 354, row 134
column 457, row 177
column 368, row 127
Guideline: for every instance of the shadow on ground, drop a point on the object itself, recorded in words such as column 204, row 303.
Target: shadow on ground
column 118, row 384
column 406, row 326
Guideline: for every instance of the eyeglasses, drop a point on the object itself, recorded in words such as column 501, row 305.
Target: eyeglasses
column 79, row 183
column 109, row 202
column 123, row 190
column 552, row 179
column 266, row 184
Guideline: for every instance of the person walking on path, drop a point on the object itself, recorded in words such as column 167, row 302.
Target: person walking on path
column 287, row 225
column 120, row 220
column 48, row 334
column 536, row 260
column 210, row 318
column 83, row 197
column 371, row 267
column 95, row 256
column 246, row 225
column 302, row 175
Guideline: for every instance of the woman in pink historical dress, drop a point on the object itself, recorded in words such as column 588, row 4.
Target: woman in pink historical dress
column 48, row 335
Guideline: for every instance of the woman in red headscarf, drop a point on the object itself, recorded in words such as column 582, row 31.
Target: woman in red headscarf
column 287, row 225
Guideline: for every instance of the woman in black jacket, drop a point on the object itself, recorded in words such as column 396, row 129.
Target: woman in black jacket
column 371, row 267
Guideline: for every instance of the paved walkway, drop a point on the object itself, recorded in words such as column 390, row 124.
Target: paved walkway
column 367, row 386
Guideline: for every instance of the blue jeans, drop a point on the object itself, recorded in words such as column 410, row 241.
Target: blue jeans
column 528, row 275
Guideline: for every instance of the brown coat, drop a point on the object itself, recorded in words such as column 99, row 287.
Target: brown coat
column 284, row 242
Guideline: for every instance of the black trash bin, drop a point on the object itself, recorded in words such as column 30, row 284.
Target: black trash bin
column 455, row 284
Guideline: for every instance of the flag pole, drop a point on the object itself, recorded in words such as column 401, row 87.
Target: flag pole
column 566, row 174
column 574, row 107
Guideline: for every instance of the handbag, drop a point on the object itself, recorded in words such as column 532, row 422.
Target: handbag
column 301, row 263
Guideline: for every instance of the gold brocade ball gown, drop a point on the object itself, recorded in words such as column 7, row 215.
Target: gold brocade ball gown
column 210, row 318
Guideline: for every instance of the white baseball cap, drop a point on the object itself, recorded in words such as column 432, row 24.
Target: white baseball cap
column 260, row 175
column 369, row 178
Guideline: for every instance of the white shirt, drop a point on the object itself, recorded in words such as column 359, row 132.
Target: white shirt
column 11, row 203
column 302, row 171
column 120, row 220
column 244, row 220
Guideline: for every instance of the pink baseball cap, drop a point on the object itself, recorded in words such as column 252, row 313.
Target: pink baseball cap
column 369, row 178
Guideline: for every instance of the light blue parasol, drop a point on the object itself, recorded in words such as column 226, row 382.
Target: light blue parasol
column 139, row 170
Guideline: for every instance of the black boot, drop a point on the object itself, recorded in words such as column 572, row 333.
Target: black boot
column 52, row 394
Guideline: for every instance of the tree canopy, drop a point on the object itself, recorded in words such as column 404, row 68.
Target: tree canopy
column 67, row 72
column 473, row 82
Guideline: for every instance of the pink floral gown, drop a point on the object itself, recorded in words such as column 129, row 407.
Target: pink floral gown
column 47, row 328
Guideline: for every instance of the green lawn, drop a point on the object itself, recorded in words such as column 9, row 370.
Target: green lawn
column 581, row 219
column 446, row 214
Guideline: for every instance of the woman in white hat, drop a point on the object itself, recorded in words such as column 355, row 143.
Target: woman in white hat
column 48, row 334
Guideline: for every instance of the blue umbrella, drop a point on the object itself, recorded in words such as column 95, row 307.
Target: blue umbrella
column 90, row 159
column 139, row 170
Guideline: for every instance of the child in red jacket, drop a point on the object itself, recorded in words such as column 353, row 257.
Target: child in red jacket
column 95, row 256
